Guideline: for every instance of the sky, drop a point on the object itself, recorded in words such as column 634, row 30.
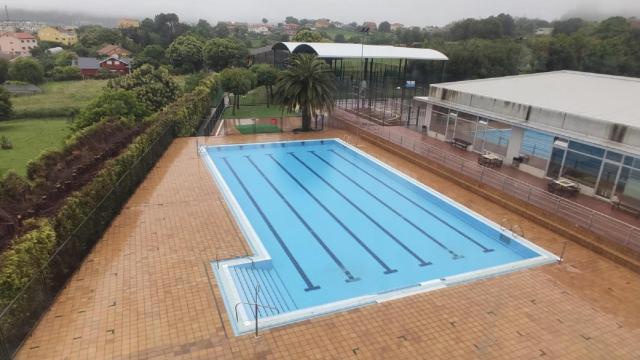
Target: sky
column 409, row 12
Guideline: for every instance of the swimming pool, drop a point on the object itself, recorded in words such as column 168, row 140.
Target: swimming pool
column 332, row 228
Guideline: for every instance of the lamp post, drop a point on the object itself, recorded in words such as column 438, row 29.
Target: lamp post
column 364, row 30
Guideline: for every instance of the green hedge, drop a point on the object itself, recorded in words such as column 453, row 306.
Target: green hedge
column 28, row 265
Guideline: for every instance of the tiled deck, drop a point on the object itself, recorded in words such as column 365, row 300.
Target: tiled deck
column 147, row 291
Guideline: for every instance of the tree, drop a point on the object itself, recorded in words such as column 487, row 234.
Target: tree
column 153, row 55
column 155, row 88
column 567, row 27
column 291, row 20
column 27, row 70
column 4, row 70
column 237, row 81
column 222, row 53
column 93, row 36
column 266, row 75
column 265, row 21
column 185, row 54
column 112, row 103
column 384, row 27
column 203, row 29
column 307, row 84
column 221, row 30
column 5, row 104
column 340, row 38
column 306, row 35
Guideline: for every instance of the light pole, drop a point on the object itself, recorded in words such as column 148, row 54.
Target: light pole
column 364, row 30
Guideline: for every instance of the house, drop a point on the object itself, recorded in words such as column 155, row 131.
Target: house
column 544, row 31
column 113, row 50
column 259, row 28
column 89, row 66
column 21, row 25
column 370, row 25
column 322, row 23
column 60, row 35
column 128, row 23
column 17, row 43
column 396, row 26
column 291, row 29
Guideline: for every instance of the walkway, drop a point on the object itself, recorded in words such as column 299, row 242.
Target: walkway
column 146, row 291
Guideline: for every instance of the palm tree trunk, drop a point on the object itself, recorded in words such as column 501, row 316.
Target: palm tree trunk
column 306, row 119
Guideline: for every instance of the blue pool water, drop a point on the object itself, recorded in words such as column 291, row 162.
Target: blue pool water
column 329, row 224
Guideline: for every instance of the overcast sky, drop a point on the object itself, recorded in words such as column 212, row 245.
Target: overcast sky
column 410, row 12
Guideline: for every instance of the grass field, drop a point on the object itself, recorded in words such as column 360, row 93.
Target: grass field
column 258, row 129
column 255, row 111
column 57, row 97
column 30, row 137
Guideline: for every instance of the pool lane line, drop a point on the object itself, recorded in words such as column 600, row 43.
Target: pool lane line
column 387, row 269
column 454, row 255
column 484, row 248
column 387, row 232
column 293, row 260
column 324, row 246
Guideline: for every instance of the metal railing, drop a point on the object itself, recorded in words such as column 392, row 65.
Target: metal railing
column 209, row 124
column 581, row 216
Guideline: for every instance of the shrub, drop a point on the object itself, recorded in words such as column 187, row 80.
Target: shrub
column 6, row 108
column 26, row 69
column 111, row 104
column 154, row 87
column 63, row 73
column 5, row 143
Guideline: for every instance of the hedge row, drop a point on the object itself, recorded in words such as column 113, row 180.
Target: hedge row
column 120, row 175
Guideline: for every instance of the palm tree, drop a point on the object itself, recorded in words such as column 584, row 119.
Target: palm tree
column 308, row 85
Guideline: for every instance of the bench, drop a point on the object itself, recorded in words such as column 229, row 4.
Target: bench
column 460, row 144
column 627, row 203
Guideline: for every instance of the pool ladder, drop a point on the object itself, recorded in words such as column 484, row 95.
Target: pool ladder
column 514, row 228
column 255, row 305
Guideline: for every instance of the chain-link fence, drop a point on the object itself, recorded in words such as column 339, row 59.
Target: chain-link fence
column 581, row 216
column 20, row 316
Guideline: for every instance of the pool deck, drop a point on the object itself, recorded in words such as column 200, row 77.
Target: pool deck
column 146, row 291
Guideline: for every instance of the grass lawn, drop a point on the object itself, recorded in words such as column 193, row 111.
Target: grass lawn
column 257, row 96
column 58, row 96
column 257, row 129
column 30, row 137
column 257, row 111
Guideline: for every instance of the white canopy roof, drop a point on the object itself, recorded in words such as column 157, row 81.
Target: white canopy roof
column 346, row 51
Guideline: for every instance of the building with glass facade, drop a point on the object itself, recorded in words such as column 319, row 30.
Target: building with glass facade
column 562, row 124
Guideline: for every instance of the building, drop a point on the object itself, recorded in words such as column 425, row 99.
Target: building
column 291, row 29
column 544, row 31
column 113, row 50
column 89, row 66
column 396, row 26
column 370, row 25
column 128, row 23
column 60, row 35
column 322, row 23
column 21, row 26
column 17, row 43
column 259, row 29
column 562, row 124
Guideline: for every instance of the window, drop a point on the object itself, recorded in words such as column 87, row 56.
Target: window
column 614, row 156
column 555, row 163
column 582, row 168
column 586, row 149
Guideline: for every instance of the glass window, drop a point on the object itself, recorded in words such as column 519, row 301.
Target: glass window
column 628, row 184
column 581, row 168
column 628, row 160
column 555, row 163
column 614, row 156
column 586, row 149
column 438, row 123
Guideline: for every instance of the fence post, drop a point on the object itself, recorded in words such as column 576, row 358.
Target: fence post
column 591, row 219
column 482, row 174
column 628, row 235
column 529, row 195
column 558, row 204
